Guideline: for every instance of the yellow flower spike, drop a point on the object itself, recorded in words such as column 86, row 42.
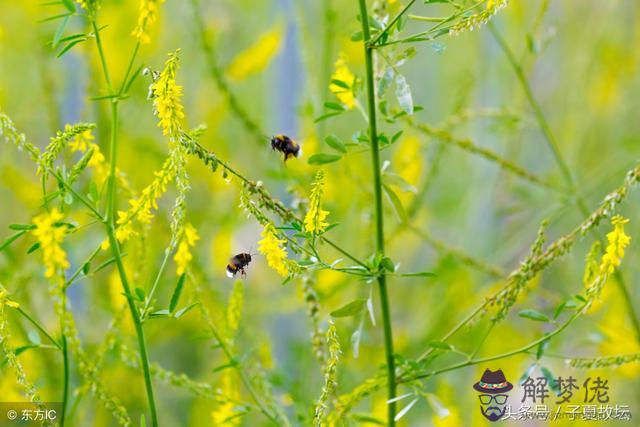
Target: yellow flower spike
column 314, row 220
column 148, row 15
column 183, row 256
column 271, row 247
column 343, row 74
column 167, row 94
column 50, row 238
column 618, row 241
column 257, row 57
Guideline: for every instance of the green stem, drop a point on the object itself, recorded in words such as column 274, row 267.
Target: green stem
column 65, row 390
column 103, row 60
column 37, row 324
column 113, row 241
column 136, row 321
column 377, row 186
column 392, row 23
column 537, row 110
column 156, row 281
column 511, row 353
column 553, row 145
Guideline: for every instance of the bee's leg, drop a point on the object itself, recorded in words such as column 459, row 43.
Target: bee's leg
column 243, row 273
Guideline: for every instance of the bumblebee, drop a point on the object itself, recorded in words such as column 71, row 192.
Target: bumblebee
column 286, row 146
column 238, row 264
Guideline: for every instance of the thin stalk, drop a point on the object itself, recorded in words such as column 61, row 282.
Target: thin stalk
column 537, row 110
column 377, row 187
column 156, row 281
column 553, row 145
column 113, row 241
column 103, row 60
column 476, row 361
column 137, row 323
column 392, row 23
column 38, row 326
column 65, row 389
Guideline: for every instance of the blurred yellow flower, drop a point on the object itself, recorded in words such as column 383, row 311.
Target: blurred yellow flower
column 344, row 75
column 167, row 94
column 6, row 301
column 225, row 414
column 183, row 255
column 50, row 238
column 271, row 247
column 257, row 57
column 148, row 15
column 314, row 220
column 618, row 241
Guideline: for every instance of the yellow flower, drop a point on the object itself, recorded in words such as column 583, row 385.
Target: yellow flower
column 271, row 247
column 50, row 237
column 148, row 15
column 618, row 240
column 83, row 142
column 6, row 301
column 314, row 220
column 343, row 74
column 257, row 57
column 167, row 96
column 183, row 256
column 225, row 414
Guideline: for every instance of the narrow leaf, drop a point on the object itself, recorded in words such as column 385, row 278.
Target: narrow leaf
column 323, row 158
column 175, row 297
column 533, row 315
column 351, row 309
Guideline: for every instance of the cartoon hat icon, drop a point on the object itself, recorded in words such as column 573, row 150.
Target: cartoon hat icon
column 493, row 382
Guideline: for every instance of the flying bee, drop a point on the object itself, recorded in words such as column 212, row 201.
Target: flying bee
column 238, row 264
column 286, row 146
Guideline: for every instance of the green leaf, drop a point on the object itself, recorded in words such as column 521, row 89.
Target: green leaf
column 143, row 421
column 335, row 143
column 175, row 297
column 10, row 240
column 396, row 203
column 419, row 274
column 367, row 418
column 399, row 182
column 441, row 345
column 326, row 116
column 69, row 5
column 550, row 380
column 33, row 248
column 160, row 313
column 533, row 315
column 340, row 83
column 334, row 106
column 351, row 309
column 59, row 31
column 357, row 36
column 225, row 366
column 403, row 94
column 541, row 349
column 139, row 293
column 323, row 158
column 22, row 226
column 86, row 268
column 184, row 311
column 68, row 47
column 387, row 264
